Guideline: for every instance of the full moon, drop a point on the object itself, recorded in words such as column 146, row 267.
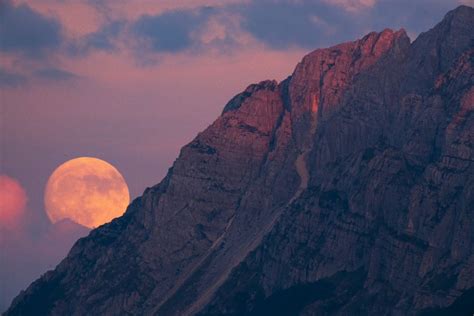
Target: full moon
column 87, row 190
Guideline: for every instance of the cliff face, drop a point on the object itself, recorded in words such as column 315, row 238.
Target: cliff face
column 346, row 188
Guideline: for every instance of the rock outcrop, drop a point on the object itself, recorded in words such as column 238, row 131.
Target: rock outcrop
column 348, row 188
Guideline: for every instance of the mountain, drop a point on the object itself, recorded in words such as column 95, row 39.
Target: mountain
column 347, row 188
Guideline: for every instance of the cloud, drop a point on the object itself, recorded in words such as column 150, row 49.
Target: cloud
column 467, row 2
column 280, row 25
column 170, row 31
column 12, row 202
column 104, row 39
column 352, row 5
column 26, row 31
column 55, row 74
column 285, row 24
column 10, row 79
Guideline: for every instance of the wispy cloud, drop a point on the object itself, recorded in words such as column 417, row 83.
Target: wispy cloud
column 104, row 39
column 352, row 5
column 55, row 74
column 10, row 79
column 285, row 24
column 170, row 31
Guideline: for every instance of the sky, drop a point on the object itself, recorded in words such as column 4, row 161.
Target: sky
column 131, row 82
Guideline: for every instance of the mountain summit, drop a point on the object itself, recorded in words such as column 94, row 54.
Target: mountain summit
column 347, row 188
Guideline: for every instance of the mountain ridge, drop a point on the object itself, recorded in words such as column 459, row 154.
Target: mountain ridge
column 343, row 174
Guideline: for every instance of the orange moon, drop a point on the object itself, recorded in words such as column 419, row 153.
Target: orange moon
column 87, row 190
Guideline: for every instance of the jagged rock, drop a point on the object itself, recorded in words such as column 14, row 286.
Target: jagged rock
column 348, row 188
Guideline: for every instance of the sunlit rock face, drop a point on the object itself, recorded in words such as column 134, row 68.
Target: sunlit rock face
column 348, row 188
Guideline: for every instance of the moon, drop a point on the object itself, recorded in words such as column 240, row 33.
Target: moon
column 86, row 190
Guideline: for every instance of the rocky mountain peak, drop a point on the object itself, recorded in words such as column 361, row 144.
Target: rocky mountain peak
column 461, row 15
column 323, row 77
column 434, row 51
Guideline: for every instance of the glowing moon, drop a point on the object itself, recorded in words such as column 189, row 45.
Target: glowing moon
column 87, row 190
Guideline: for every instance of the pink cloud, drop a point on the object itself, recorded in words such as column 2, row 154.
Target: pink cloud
column 77, row 17
column 133, row 9
column 83, row 17
column 12, row 202
column 467, row 2
column 352, row 5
